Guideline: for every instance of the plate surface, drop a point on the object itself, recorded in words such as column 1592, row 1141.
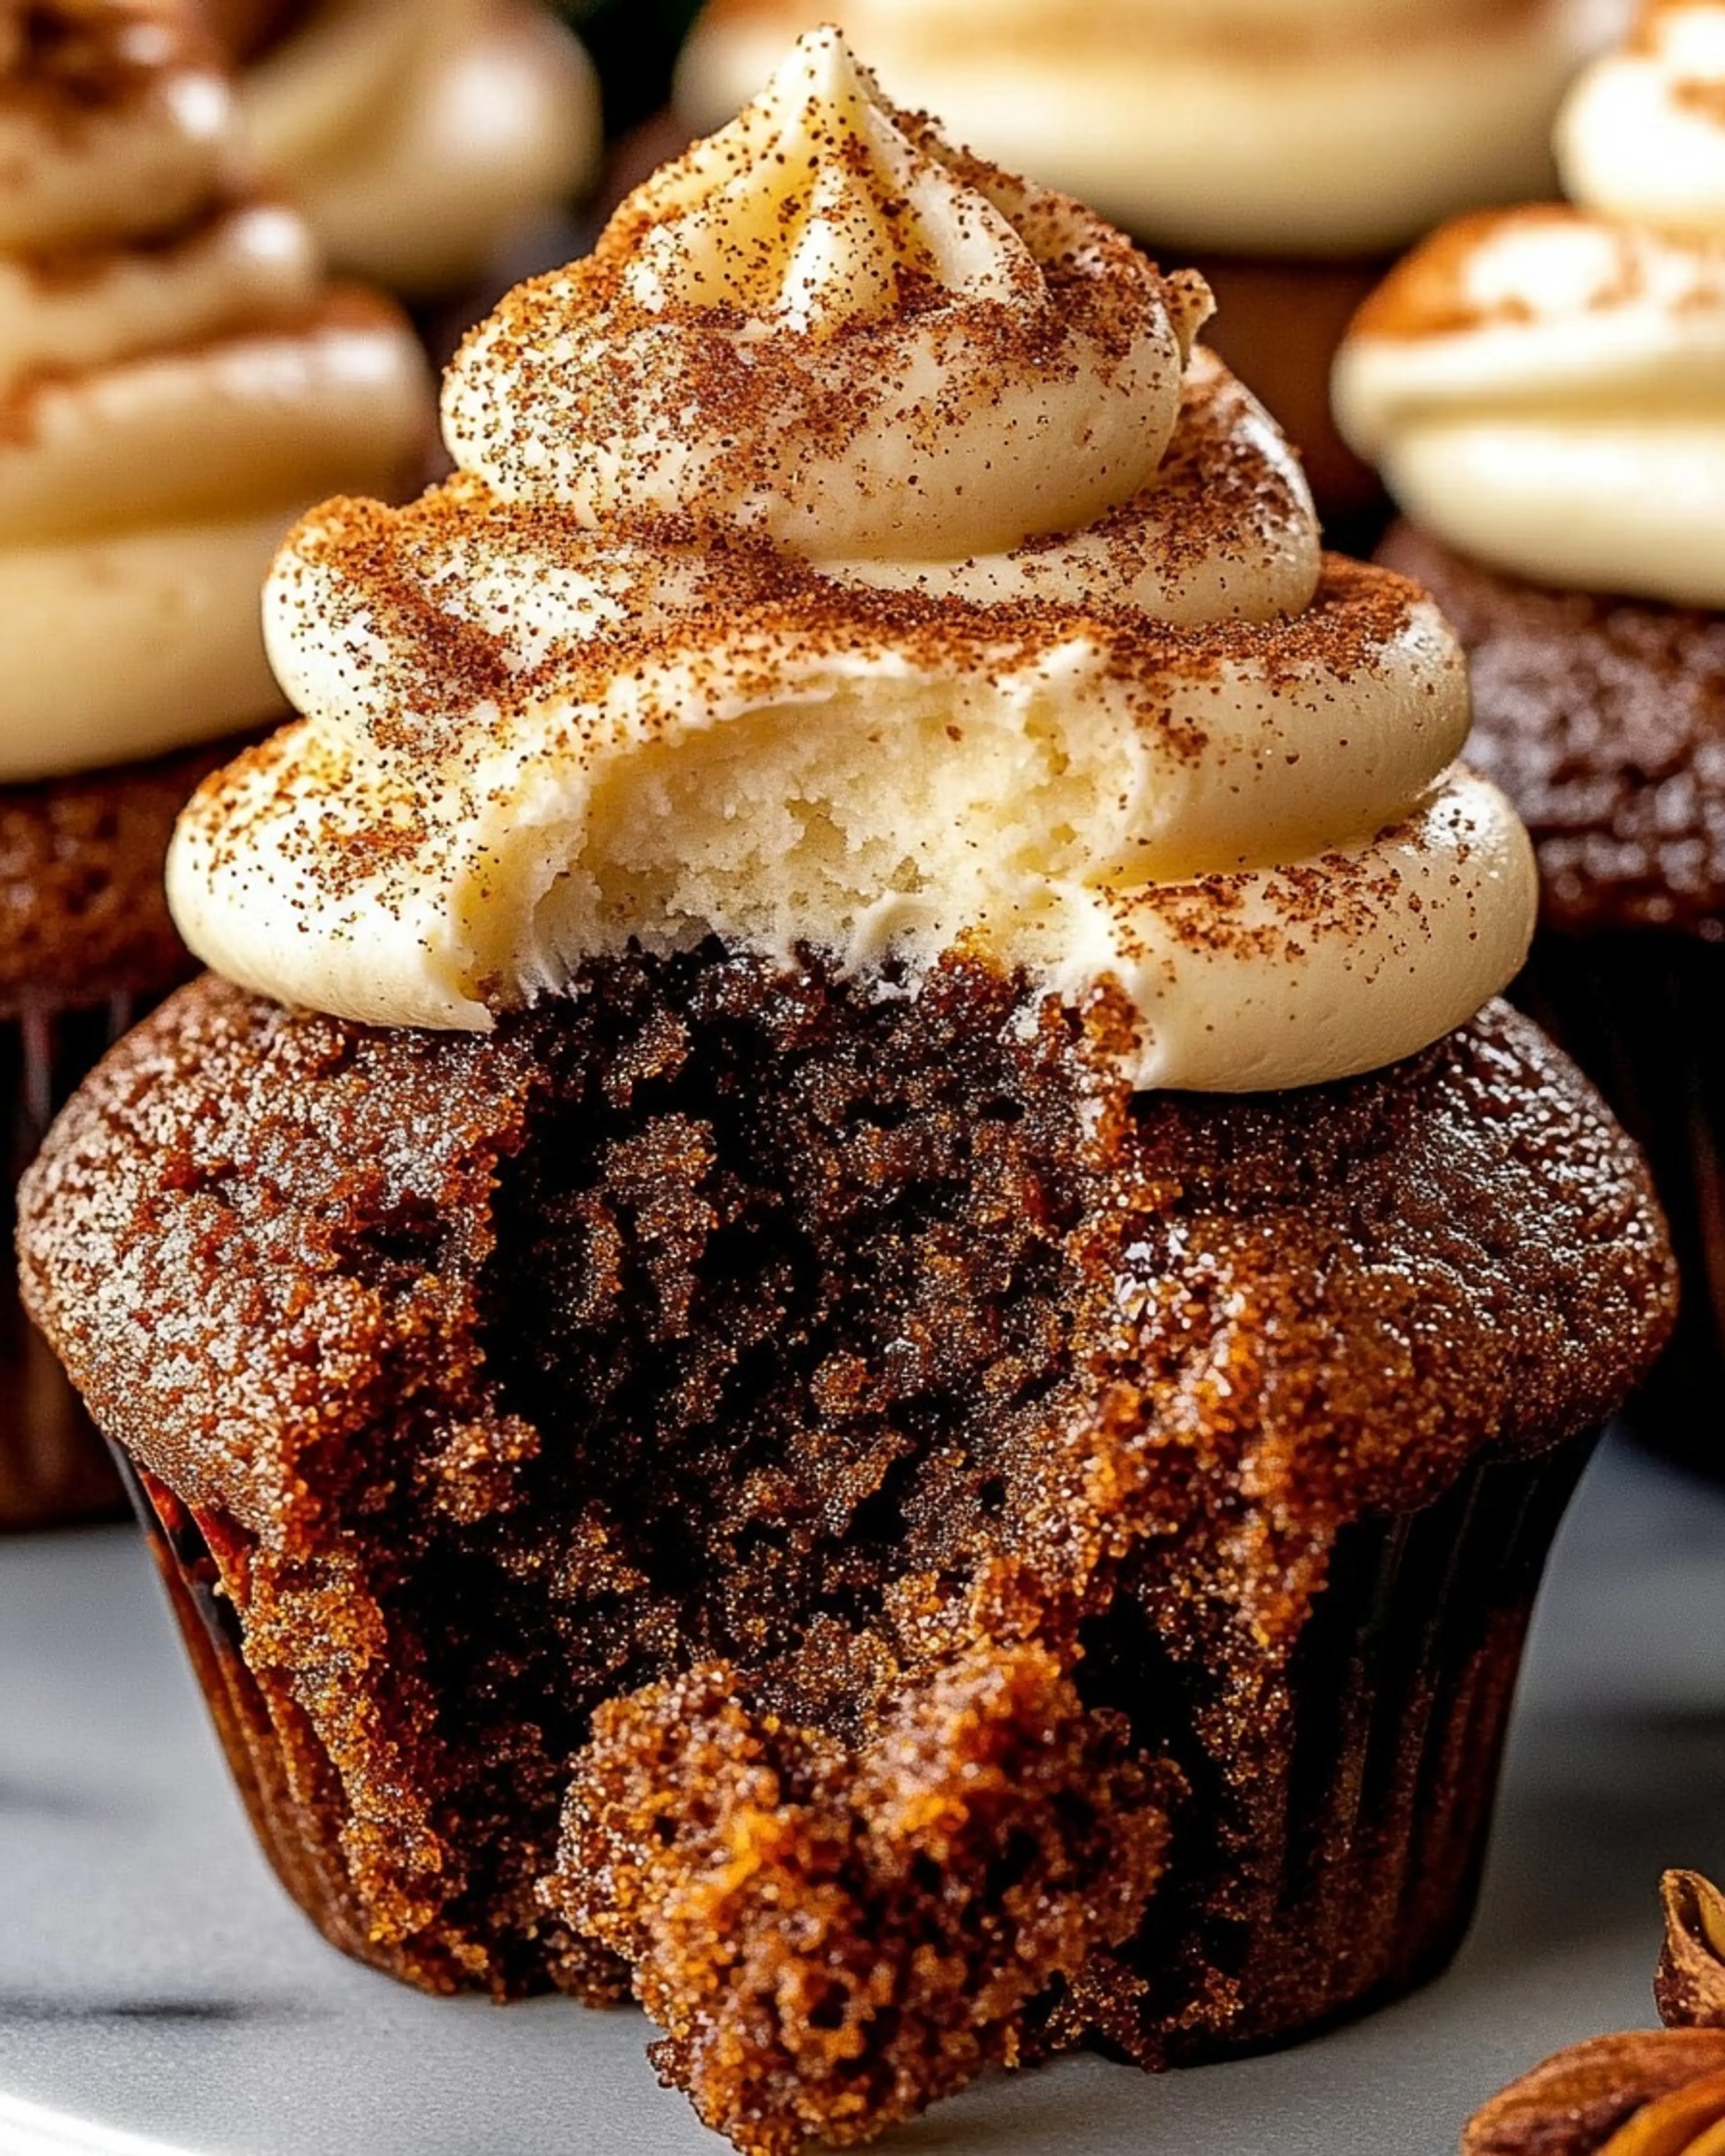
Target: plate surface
column 160, row 1997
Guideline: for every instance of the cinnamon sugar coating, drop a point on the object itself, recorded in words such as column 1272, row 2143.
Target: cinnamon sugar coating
column 881, row 1350
column 1604, row 719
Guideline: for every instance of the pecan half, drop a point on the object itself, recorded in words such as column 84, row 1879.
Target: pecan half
column 1580, row 2103
column 1649, row 2091
column 1689, row 1986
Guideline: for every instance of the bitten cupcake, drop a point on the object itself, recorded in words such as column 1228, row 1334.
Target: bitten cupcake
column 853, row 1309
column 180, row 382
column 1288, row 147
column 422, row 138
column 1543, row 390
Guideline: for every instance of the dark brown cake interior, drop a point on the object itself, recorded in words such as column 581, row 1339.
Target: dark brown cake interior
column 860, row 1393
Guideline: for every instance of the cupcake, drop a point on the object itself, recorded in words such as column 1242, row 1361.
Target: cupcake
column 181, row 382
column 1537, row 387
column 1290, row 150
column 853, row 1311
column 424, row 139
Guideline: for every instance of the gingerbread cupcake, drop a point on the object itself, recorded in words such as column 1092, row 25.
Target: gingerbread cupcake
column 180, row 381
column 1537, row 388
column 1289, row 150
column 855, row 1311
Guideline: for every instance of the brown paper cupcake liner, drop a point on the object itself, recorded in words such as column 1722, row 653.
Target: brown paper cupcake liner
column 52, row 1465
column 1350, row 1881
column 1353, row 1878
column 1639, row 1011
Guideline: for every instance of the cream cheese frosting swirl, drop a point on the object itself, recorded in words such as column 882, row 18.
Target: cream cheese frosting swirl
column 1545, row 388
column 1276, row 126
column 178, row 383
column 690, row 646
column 418, row 135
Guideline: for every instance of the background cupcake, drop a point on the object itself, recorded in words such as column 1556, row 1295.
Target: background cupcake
column 910, row 1332
column 182, row 381
column 428, row 142
column 1287, row 149
column 1541, row 391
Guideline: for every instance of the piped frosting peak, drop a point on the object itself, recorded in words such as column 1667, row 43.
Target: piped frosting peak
column 825, row 327
column 1252, row 126
column 815, row 210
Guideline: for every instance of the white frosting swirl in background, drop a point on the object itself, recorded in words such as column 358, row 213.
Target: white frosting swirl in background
column 1274, row 126
column 1545, row 389
column 178, row 382
column 418, row 135
column 1643, row 135
column 682, row 651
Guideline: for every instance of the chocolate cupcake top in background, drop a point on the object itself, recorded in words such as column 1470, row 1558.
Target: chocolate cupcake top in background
column 181, row 380
column 760, row 607
column 1544, row 389
column 1260, row 127
column 420, row 137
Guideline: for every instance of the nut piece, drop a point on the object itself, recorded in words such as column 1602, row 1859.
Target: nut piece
column 1689, row 2122
column 1689, row 1986
column 1649, row 2091
column 1575, row 2103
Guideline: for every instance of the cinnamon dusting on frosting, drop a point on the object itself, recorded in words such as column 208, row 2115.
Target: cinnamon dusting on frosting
column 1513, row 267
column 1298, row 127
column 896, row 350
column 903, row 591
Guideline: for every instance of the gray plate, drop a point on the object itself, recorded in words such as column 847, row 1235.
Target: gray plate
column 159, row 1997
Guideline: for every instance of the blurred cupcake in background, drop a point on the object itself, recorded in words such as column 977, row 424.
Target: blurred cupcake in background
column 1287, row 148
column 180, row 382
column 1545, row 391
column 426, row 141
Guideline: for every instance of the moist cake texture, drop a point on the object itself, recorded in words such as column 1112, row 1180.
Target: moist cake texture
column 833, row 1397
